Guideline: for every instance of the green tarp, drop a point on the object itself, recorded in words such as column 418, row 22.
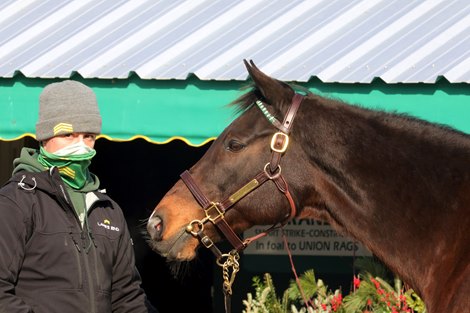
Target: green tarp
column 195, row 111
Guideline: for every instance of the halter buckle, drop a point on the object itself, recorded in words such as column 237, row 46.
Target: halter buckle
column 275, row 139
column 218, row 213
column 207, row 242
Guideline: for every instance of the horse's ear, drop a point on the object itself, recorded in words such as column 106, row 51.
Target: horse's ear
column 273, row 90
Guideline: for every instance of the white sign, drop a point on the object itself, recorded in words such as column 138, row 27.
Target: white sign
column 304, row 237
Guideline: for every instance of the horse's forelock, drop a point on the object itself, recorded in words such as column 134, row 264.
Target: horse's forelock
column 245, row 101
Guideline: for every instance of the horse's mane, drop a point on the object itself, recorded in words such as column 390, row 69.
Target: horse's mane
column 247, row 100
column 398, row 119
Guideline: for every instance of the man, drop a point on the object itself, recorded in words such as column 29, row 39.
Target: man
column 64, row 244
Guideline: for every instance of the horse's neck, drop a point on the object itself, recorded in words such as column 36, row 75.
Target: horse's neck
column 385, row 161
column 384, row 179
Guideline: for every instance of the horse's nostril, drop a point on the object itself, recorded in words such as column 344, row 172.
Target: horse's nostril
column 155, row 228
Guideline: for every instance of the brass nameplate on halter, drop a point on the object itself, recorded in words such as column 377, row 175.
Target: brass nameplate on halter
column 244, row 191
column 275, row 139
column 218, row 213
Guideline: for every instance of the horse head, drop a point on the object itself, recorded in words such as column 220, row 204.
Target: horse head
column 239, row 164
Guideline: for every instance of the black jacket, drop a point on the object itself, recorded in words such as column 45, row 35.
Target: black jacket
column 49, row 264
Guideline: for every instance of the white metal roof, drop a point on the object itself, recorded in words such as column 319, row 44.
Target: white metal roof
column 344, row 41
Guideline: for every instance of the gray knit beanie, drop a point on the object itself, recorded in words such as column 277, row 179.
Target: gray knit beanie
column 67, row 107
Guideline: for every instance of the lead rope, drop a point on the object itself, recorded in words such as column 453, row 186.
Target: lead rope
column 308, row 303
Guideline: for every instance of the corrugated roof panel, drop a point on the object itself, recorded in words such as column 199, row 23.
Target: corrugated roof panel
column 334, row 40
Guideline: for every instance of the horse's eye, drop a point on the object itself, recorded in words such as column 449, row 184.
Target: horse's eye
column 235, row 145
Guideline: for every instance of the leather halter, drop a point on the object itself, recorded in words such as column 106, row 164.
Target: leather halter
column 215, row 211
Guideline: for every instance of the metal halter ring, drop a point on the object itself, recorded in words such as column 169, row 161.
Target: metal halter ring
column 228, row 259
column 276, row 174
column 190, row 228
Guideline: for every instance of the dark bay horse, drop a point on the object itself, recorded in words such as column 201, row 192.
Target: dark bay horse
column 397, row 184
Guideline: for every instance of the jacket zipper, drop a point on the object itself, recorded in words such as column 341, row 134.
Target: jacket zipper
column 77, row 258
column 66, row 205
column 90, row 285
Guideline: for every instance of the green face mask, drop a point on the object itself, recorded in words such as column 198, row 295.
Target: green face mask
column 72, row 168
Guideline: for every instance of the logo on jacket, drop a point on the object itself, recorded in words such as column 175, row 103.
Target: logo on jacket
column 107, row 224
